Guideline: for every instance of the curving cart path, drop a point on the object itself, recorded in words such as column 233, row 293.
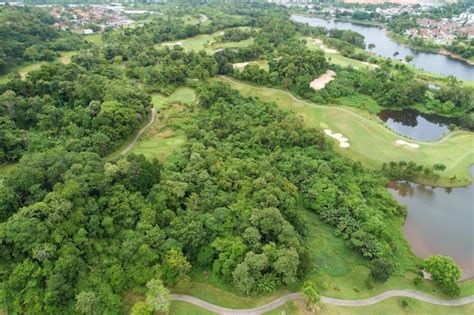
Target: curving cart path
column 140, row 132
column 294, row 296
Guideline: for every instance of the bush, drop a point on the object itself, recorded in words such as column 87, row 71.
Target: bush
column 369, row 282
column 381, row 270
column 418, row 280
column 444, row 273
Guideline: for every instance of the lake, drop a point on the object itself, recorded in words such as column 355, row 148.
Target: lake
column 386, row 47
column 415, row 125
column 439, row 221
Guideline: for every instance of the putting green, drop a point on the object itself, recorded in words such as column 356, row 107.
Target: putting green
column 371, row 142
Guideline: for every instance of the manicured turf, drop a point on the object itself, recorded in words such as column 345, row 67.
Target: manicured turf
column 392, row 306
column 371, row 142
column 206, row 42
column 159, row 140
column 183, row 308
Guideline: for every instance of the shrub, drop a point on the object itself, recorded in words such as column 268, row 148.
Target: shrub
column 381, row 270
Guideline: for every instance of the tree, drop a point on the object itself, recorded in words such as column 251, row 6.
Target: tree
column 157, row 296
column 87, row 303
column 409, row 58
column 444, row 272
column 381, row 270
column 141, row 308
column 371, row 46
column 310, row 294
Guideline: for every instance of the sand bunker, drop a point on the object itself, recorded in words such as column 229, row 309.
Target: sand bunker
column 172, row 44
column 343, row 141
column 407, row 144
column 320, row 83
column 240, row 65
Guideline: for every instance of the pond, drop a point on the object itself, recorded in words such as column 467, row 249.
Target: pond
column 415, row 125
column 386, row 47
column 439, row 221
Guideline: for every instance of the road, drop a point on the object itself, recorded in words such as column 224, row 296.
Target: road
column 294, row 296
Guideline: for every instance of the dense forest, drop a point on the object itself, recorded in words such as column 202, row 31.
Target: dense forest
column 78, row 226
column 27, row 36
column 231, row 200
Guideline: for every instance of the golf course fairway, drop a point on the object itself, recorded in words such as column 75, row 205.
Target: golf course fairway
column 371, row 142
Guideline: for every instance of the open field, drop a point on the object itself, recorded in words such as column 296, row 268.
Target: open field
column 206, row 42
column 95, row 39
column 372, row 143
column 159, row 140
column 65, row 57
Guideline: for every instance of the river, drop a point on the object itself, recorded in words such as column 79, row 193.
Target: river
column 386, row 47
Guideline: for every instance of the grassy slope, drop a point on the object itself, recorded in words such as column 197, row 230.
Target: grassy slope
column 206, row 42
column 159, row 141
column 371, row 141
column 65, row 57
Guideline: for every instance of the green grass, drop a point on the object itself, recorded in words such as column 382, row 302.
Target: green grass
column 160, row 140
column 23, row 70
column 183, row 308
column 391, row 306
column 361, row 101
column 206, row 42
column 241, row 44
column 226, row 297
column 371, row 142
column 95, row 39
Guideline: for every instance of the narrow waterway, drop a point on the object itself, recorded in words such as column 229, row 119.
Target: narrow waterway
column 386, row 47
column 415, row 125
column 440, row 221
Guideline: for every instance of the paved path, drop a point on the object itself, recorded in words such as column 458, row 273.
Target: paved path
column 139, row 133
column 294, row 296
column 379, row 124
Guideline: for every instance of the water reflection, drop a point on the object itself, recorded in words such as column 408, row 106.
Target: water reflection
column 439, row 221
column 386, row 47
column 413, row 124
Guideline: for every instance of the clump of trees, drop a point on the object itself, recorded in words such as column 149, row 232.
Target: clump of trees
column 411, row 171
column 444, row 272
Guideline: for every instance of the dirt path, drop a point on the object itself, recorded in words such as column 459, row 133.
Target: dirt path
column 294, row 296
column 139, row 133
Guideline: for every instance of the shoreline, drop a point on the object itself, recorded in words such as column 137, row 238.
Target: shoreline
column 400, row 39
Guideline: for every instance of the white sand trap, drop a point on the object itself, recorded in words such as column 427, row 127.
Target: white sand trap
column 407, row 144
column 343, row 141
column 320, row 83
column 172, row 44
column 240, row 65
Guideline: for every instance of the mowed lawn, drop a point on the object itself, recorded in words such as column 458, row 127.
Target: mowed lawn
column 371, row 142
column 160, row 140
column 206, row 42
column 64, row 57
column 391, row 306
